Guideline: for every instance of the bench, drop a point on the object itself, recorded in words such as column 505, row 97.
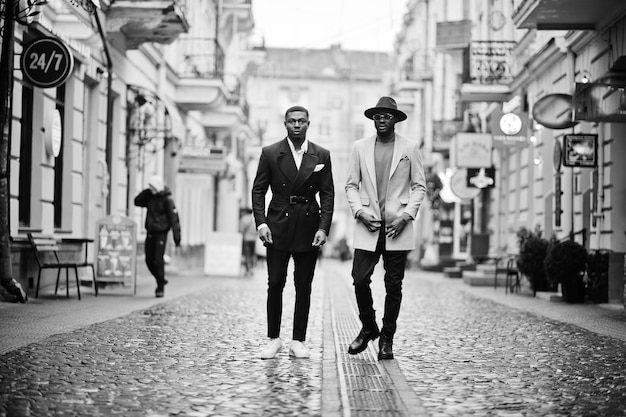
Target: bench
column 44, row 244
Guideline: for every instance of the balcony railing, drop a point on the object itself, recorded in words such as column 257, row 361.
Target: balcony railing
column 489, row 62
column 202, row 58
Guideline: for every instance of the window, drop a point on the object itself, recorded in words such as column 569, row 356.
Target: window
column 58, row 161
column 26, row 157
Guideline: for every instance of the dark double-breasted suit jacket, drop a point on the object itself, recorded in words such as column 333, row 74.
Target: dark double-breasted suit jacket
column 294, row 214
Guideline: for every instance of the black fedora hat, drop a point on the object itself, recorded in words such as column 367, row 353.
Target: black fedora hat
column 386, row 105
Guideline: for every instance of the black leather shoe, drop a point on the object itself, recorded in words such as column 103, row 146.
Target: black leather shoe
column 385, row 350
column 360, row 343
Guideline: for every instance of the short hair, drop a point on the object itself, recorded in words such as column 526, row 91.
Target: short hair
column 296, row 108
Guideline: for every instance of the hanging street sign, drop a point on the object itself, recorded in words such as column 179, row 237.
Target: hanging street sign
column 481, row 177
column 580, row 150
column 458, row 184
column 554, row 111
column 46, row 62
column 509, row 129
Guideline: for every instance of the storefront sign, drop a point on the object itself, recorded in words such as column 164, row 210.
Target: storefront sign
column 53, row 133
column 509, row 129
column 601, row 101
column 481, row 177
column 204, row 160
column 580, row 150
column 472, row 150
column 46, row 62
column 554, row 111
column 458, row 184
column 557, row 155
column 557, row 200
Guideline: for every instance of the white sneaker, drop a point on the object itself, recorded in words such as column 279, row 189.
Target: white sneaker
column 272, row 348
column 298, row 350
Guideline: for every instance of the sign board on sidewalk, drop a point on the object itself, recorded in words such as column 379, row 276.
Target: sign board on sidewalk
column 222, row 256
column 116, row 251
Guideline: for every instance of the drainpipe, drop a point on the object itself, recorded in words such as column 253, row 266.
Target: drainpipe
column 571, row 72
column 600, row 191
column 109, row 121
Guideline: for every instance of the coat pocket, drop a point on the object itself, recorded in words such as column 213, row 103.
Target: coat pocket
column 365, row 201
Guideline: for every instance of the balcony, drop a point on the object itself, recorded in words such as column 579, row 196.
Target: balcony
column 566, row 14
column 140, row 21
column 487, row 70
column 200, row 71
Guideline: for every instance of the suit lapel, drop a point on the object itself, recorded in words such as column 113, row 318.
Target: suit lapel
column 398, row 151
column 309, row 160
column 286, row 164
column 370, row 163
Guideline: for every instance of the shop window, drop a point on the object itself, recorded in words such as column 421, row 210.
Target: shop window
column 26, row 156
column 58, row 162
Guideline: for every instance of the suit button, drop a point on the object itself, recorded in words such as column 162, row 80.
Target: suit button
column 283, row 185
column 286, row 214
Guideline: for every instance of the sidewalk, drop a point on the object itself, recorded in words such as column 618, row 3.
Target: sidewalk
column 47, row 315
column 604, row 319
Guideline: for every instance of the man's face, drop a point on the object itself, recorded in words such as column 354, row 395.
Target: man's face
column 384, row 122
column 297, row 122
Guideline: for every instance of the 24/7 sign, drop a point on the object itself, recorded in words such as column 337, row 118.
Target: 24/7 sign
column 47, row 62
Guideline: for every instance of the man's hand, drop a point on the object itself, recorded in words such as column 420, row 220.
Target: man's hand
column 370, row 221
column 396, row 227
column 320, row 238
column 265, row 234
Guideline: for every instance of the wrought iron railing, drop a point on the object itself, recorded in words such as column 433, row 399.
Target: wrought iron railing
column 201, row 58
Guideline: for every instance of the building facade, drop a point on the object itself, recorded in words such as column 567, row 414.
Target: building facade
column 155, row 88
column 536, row 92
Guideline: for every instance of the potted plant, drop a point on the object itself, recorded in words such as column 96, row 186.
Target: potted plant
column 566, row 263
column 533, row 249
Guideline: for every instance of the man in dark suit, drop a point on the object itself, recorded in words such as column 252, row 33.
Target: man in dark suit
column 296, row 225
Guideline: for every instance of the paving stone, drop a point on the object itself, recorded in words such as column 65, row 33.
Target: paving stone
column 196, row 355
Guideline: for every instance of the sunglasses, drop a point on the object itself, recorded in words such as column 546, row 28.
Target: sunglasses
column 383, row 116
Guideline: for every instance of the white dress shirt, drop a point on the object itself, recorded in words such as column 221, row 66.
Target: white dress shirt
column 297, row 154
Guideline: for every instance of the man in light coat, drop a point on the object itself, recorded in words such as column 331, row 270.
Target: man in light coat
column 385, row 188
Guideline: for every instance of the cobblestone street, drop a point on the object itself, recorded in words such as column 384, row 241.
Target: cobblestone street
column 467, row 356
column 197, row 355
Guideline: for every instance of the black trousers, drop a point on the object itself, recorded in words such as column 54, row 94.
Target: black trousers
column 304, row 269
column 394, row 263
column 155, row 249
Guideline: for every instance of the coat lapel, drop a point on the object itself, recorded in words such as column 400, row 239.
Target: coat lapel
column 309, row 160
column 286, row 164
column 370, row 164
column 398, row 151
